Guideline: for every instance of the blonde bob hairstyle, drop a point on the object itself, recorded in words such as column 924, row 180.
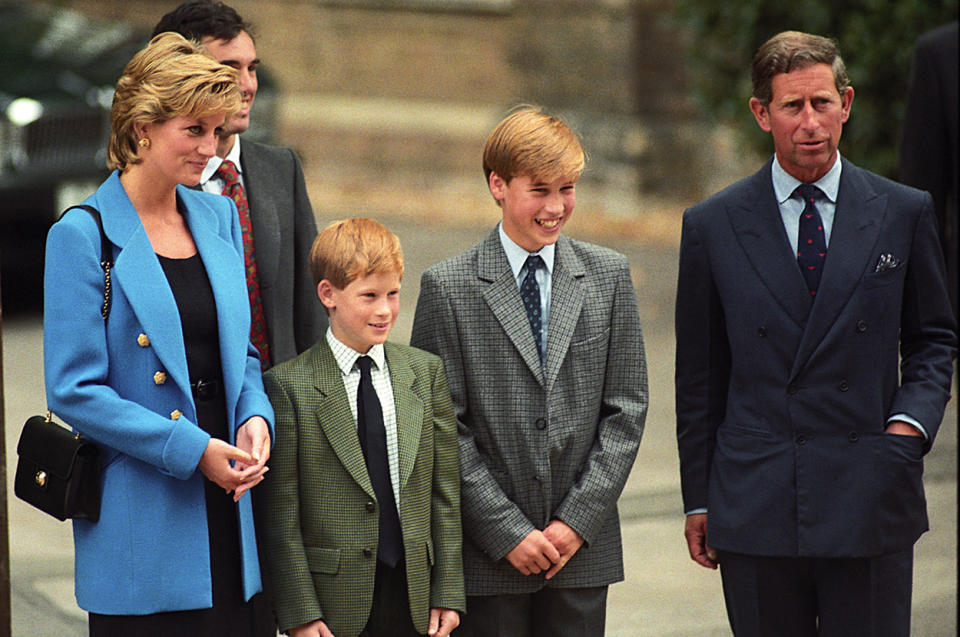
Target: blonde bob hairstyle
column 533, row 144
column 170, row 77
column 350, row 249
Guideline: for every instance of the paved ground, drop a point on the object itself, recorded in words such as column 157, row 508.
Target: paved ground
column 665, row 594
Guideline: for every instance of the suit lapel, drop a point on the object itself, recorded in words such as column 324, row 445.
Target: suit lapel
column 856, row 227
column 409, row 409
column 138, row 274
column 260, row 182
column 503, row 298
column 335, row 417
column 759, row 229
column 566, row 302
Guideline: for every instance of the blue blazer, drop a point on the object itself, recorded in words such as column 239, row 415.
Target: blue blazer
column 782, row 400
column 126, row 386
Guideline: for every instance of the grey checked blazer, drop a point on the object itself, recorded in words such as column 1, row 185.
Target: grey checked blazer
column 539, row 444
column 283, row 231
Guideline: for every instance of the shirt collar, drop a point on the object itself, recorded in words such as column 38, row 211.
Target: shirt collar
column 784, row 183
column 346, row 356
column 517, row 256
column 213, row 164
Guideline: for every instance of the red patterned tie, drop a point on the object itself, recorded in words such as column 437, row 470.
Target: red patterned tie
column 258, row 324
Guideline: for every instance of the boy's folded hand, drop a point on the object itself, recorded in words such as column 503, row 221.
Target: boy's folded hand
column 534, row 554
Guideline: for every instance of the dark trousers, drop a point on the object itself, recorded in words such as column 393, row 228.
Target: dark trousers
column 818, row 597
column 549, row 612
column 390, row 613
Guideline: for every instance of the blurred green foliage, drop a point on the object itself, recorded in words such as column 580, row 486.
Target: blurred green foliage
column 876, row 40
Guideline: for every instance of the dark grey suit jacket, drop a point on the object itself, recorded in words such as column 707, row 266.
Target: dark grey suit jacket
column 539, row 444
column 283, row 230
column 782, row 400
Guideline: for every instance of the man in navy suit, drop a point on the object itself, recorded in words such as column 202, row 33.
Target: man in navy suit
column 801, row 432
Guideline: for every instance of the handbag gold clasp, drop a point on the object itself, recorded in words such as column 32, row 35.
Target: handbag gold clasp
column 40, row 478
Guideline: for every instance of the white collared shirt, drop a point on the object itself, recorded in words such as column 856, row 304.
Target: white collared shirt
column 209, row 182
column 517, row 257
column 346, row 358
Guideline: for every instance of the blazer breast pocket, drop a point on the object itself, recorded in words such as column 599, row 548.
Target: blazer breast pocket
column 320, row 560
column 590, row 339
column 874, row 280
column 587, row 358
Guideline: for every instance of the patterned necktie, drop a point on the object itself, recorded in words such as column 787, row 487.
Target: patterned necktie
column 258, row 323
column 373, row 443
column 530, row 293
column 811, row 245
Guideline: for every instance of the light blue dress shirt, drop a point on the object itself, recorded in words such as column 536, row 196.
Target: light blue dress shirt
column 517, row 256
column 792, row 205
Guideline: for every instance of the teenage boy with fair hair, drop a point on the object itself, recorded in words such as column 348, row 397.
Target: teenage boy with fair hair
column 540, row 338
column 361, row 514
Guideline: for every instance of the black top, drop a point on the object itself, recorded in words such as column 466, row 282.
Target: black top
column 198, row 315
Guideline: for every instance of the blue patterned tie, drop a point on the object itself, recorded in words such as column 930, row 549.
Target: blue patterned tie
column 811, row 245
column 530, row 293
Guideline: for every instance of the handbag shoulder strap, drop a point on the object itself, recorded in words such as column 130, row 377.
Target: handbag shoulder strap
column 106, row 256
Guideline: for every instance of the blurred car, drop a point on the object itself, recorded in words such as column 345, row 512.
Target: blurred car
column 58, row 69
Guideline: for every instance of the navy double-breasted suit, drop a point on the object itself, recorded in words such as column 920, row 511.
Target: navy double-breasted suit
column 125, row 385
column 783, row 398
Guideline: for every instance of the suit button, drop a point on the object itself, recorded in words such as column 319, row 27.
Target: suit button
column 861, row 326
column 541, row 423
column 801, row 439
column 143, row 340
column 371, row 507
column 853, row 436
column 367, row 552
column 792, row 389
column 159, row 378
column 844, row 386
column 175, row 414
column 762, row 331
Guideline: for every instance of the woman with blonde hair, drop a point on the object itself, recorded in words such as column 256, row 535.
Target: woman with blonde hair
column 167, row 384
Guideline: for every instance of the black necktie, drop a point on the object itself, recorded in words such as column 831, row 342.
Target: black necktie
column 530, row 293
column 811, row 245
column 373, row 442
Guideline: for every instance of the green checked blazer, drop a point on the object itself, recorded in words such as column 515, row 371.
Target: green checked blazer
column 317, row 512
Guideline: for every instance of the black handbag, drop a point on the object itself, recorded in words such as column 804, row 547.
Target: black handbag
column 58, row 471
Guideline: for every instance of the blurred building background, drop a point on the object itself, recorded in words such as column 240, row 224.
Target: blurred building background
column 388, row 102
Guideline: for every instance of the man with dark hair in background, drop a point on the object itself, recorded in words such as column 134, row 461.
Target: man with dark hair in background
column 267, row 184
